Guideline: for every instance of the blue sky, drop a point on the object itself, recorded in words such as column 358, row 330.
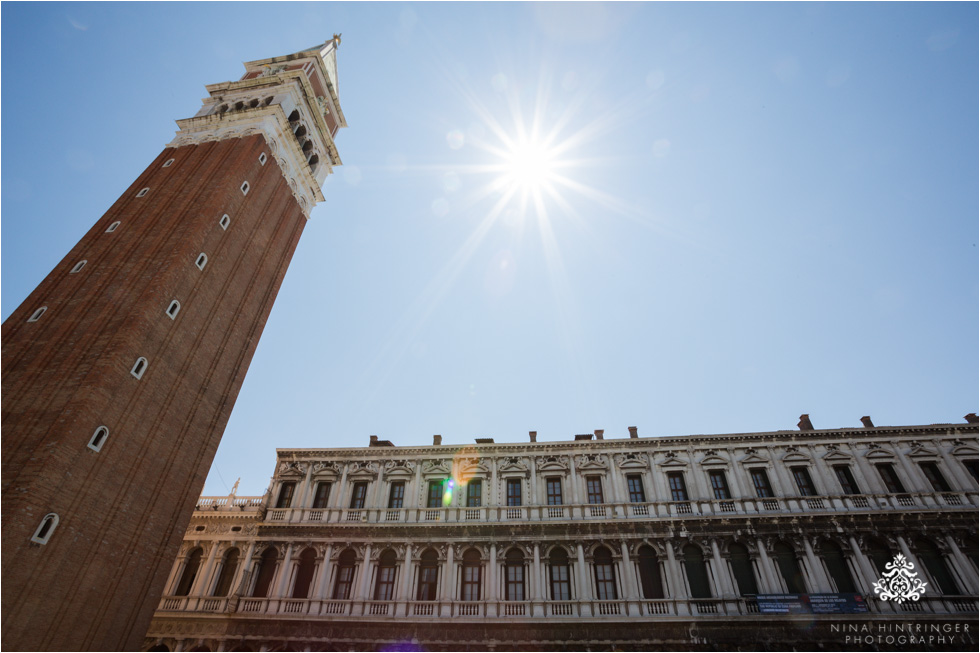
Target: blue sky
column 754, row 211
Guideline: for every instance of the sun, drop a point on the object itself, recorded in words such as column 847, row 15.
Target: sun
column 528, row 166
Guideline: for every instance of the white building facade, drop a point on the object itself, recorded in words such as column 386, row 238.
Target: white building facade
column 593, row 543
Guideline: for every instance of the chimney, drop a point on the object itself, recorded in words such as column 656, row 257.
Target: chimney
column 533, row 435
column 598, row 433
column 805, row 424
column 971, row 418
column 867, row 422
column 436, row 440
column 633, row 434
column 374, row 441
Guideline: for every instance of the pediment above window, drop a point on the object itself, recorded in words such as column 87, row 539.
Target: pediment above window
column 752, row 457
column 712, row 459
column 591, row 461
column 876, row 452
column 919, row 450
column 291, row 469
column 552, row 463
column 436, row 467
column 965, row 450
column 399, row 468
column 796, row 457
column 512, row 464
column 671, row 459
column 360, row 470
column 470, row 466
column 631, row 460
column 837, row 456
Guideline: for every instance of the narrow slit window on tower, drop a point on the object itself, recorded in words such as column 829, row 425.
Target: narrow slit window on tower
column 224, row 221
column 245, row 188
column 36, row 315
column 173, row 309
column 143, row 192
column 138, row 368
column 45, row 529
column 262, row 158
column 168, row 163
column 98, row 438
column 201, row 261
column 112, row 227
column 78, row 266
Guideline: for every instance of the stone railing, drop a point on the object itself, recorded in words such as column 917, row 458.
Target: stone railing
column 229, row 504
column 608, row 511
column 638, row 608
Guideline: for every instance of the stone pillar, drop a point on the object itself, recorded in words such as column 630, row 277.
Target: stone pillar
column 676, row 574
column 285, row 571
column 324, row 576
column 961, row 480
column 915, row 480
column 903, row 545
column 536, row 594
column 967, row 572
column 629, row 575
column 535, row 499
column 721, row 570
column 302, row 498
column 868, row 575
column 493, row 583
column 337, row 501
column 244, row 568
column 175, row 573
column 821, row 482
column 412, row 501
column 817, row 573
column 405, row 587
column 449, row 577
column 869, row 476
column 200, row 585
column 585, row 587
column 573, row 480
column 491, row 500
column 765, row 566
column 365, row 579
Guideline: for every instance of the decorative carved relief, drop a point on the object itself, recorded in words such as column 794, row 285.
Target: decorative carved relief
column 631, row 460
column 588, row 461
column 292, row 468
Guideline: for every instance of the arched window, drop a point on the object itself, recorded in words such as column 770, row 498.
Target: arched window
column 514, row 575
column 224, row 221
column 266, row 571
column 254, row 103
column 245, row 188
column 112, row 227
column 605, row 574
column 294, row 116
column 697, row 573
column 191, row 567
column 168, row 163
column 36, row 315
column 173, row 309
column 384, row 582
column 98, row 438
column 472, row 576
column 428, row 576
column 789, row 568
column 932, row 559
column 143, row 192
column 229, row 565
column 304, row 574
column 879, row 553
column 45, row 529
column 78, row 266
column 201, row 261
column 344, row 580
column 738, row 557
column 558, row 571
column 650, row 579
column 262, row 159
column 833, row 560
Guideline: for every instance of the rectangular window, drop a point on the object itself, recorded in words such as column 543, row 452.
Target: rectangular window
column 515, row 582
column 719, row 484
column 471, row 583
column 634, row 483
column 396, row 495
column 341, row 589
column 678, row 490
column 846, row 479
column 286, row 494
column 973, row 468
column 803, row 481
column 605, row 582
column 474, row 493
column 435, row 494
column 890, row 478
column 935, row 477
column 384, row 589
column 428, row 581
column 320, row 496
column 554, row 491
column 358, row 496
column 760, row 481
column 561, row 589
column 513, row 491
column 593, row 485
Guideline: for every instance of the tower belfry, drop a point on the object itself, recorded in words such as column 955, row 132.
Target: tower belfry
column 120, row 370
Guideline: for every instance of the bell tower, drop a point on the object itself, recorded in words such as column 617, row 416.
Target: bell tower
column 120, row 370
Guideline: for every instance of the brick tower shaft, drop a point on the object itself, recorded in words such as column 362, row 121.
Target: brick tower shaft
column 120, row 370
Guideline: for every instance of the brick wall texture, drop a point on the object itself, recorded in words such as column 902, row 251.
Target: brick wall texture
column 123, row 510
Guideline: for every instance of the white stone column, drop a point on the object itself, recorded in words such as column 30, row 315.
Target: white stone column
column 285, row 571
column 915, row 480
column 820, row 580
column 585, row 587
column 721, row 572
column 765, row 566
column 199, row 587
column 574, row 480
column 491, row 499
column 676, row 573
column 961, row 480
column 535, row 499
column 302, row 498
column 405, row 588
column 966, row 571
column 629, row 575
column 869, row 476
column 536, row 587
column 493, row 591
column 821, row 481
column 175, row 573
column 336, row 501
column 412, row 501
column 244, row 568
column 868, row 575
column 324, row 576
column 449, row 577
column 363, row 582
